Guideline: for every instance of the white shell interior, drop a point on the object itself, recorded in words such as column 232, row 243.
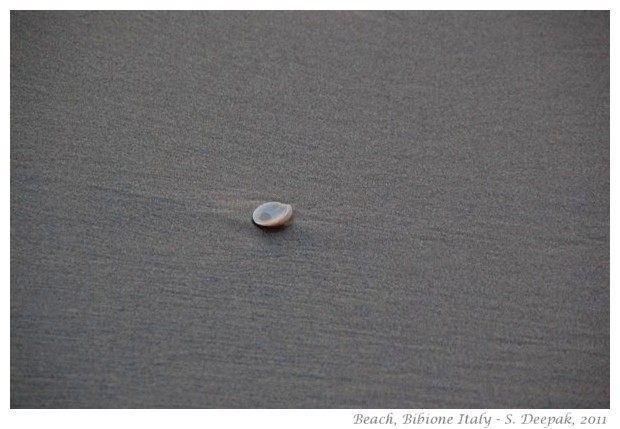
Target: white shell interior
column 272, row 214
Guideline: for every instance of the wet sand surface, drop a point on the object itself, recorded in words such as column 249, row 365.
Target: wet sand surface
column 449, row 173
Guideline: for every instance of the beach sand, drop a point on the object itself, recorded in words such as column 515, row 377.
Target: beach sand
column 449, row 174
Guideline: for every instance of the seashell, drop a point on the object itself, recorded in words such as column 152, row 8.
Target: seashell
column 272, row 214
